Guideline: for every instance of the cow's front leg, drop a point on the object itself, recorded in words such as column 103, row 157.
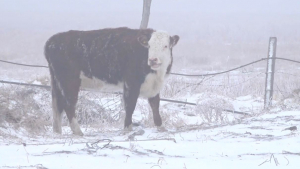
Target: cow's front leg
column 154, row 104
column 130, row 96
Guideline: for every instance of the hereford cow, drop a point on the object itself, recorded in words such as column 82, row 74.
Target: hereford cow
column 136, row 61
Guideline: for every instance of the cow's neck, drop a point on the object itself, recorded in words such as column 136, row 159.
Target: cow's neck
column 161, row 73
column 153, row 83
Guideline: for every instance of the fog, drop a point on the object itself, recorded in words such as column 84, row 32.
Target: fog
column 213, row 33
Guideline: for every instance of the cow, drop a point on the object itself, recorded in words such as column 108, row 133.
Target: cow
column 136, row 61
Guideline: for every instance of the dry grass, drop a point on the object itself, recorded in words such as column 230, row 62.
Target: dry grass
column 20, row 110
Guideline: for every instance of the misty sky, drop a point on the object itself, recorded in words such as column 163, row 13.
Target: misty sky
column 201, row 24
column 209, row 6
column 27, row 12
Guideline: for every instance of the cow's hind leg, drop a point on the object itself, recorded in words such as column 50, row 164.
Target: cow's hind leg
column 65, row 89
column 57, row 105
column 154, row 104
column 71, row 92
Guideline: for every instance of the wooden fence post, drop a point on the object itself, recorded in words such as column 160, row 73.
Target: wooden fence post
column 270, row 72
column 146, row 14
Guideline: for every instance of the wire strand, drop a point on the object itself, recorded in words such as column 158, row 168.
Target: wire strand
column 21, row 64
column 178, row 74
column 212, row 74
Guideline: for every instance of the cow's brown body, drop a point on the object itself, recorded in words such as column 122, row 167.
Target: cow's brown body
column 114, row 56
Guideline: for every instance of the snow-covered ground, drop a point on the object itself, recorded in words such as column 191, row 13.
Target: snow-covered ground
column 241, row 142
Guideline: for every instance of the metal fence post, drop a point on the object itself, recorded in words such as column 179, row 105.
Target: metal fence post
column 270, row 72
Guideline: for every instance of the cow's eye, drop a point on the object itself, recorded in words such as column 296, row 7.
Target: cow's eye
column 166, row 46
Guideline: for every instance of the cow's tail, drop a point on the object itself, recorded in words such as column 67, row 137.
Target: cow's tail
column 58, row 102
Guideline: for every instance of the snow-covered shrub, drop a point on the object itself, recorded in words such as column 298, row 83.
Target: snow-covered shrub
column 30, row 109
column 99, row 109
column 20, row 111
column 211, row 109
column 173, row 86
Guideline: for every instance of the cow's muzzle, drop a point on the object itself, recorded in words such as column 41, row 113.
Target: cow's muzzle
column 154, row 63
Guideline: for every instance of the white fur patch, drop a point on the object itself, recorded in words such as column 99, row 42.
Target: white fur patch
column 152, row 84
column 99, row 84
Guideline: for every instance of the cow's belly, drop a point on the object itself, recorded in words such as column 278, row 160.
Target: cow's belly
column 98, row 84
column 151, row 86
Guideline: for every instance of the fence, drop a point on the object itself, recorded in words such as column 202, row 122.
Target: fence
column 268, row 82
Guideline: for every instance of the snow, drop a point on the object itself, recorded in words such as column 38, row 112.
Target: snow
column 246, row 144
column 36, row 82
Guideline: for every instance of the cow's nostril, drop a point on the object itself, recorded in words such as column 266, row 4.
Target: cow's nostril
column 153, row 59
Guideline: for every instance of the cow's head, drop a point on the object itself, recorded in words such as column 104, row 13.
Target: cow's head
column 160, row 49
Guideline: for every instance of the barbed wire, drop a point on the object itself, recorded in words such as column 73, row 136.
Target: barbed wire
column 212, row 74
column 49, row 87
column 21, row 64
column 179, row 74
column 290, row 74
column 162, row 99
column 201, row 75
column 287, row 59
column 25, row 84
column 168, row 100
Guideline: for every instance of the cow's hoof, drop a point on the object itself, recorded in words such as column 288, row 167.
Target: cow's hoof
column 57, row 129
column 75, row 127
column 56, row 132
column 129, row 128
column 136, row 124
column 161, row 129
column 78, row 133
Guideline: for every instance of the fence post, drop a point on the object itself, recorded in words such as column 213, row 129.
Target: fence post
column 270, row 72
column 146, row 14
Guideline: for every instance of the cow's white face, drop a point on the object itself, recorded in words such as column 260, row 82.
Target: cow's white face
column 159, row 50
column 160, row 46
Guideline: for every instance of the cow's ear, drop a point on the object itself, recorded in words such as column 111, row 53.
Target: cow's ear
column 173, row 40
column 143, row 41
